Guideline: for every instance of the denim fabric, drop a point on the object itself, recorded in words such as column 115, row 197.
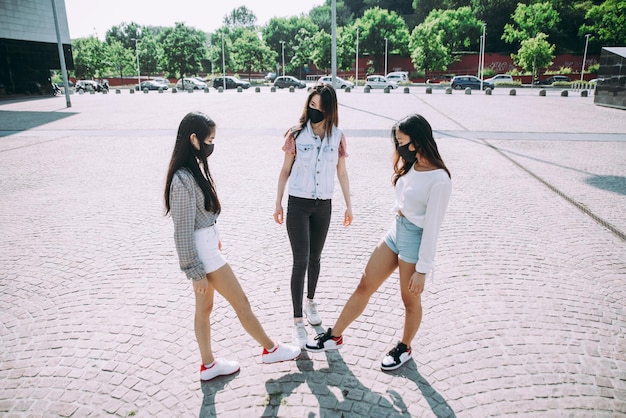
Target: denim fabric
column 404, row 239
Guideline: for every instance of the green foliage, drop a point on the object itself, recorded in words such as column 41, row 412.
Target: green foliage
column 120, row 59
column 530, row 20
column 534, row 53
column 378, row 24
column 184, row 47
column 296, row 32
column 608, row 22
column 252, row 54
column 321, row 16
column 241, row 17
column 126, row 33
column 443, row 32
column 89, row 57
column 150, row 53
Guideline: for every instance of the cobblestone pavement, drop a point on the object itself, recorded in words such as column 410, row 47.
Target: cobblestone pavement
column 525, row 316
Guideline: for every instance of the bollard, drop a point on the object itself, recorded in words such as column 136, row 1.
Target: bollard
column 239, row 89
column 105, row 91
column 468, row 90
column 273, row 89
column 488, row 91
column 564, row 93
column 347, row 90
column 387, row 89
column 132, row 91
column 220, row 89
column 118, row 91
column 583, row 93
column 366, row 89
column 145, row 91
column 257, row 89
column 160, row 90
column 448, row 90
column 190, row 90
column 291, row 89
column 206, row 89
column 407, row 90
column 542, row 92
column 174, row 90
column 429, row 90
column 512, row 92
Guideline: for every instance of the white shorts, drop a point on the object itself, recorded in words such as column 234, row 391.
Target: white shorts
column 206, row 241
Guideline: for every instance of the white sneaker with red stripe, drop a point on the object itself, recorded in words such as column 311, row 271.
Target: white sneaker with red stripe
column 281, row 352
column 219, row 367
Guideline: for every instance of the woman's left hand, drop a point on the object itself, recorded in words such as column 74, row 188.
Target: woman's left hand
column 416, row 283
column 347, row 218
column 201, row 286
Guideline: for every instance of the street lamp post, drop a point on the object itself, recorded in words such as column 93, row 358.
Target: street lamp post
column 137, row 54
column 582, row 72
column 282, row 44
column 356, row 74
column 386, row 57
column 223, row 64
column 482, row 57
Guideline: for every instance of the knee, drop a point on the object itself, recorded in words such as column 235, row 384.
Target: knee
column 205, row 308
column 412, row 302
column 364, row 287
column 242, row 306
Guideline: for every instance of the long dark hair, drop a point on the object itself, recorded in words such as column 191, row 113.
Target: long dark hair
column 328, row 102
column 421, row 134
column 186, row 156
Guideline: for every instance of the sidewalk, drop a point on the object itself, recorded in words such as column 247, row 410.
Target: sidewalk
column 526, row 314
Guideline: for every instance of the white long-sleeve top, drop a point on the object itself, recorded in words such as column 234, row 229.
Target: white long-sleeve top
column 422, row 197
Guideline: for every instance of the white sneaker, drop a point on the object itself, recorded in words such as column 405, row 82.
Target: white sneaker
column 299, row 334
column 220, row 367
column 310, row 310
column 282, row 352
column 395, row 358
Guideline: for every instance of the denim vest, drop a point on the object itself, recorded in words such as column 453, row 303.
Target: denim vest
column 315, row 167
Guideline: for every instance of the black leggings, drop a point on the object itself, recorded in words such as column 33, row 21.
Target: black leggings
column 307, row 227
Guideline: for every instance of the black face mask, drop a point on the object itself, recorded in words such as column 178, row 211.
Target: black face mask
column 205, row 150
column 315, row 115
column 408, row 155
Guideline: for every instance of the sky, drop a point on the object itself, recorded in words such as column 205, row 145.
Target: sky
column 95, row 17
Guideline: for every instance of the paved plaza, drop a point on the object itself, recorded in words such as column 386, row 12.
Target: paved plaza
column 526, row 315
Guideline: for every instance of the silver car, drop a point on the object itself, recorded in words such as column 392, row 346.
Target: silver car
column 379, row 82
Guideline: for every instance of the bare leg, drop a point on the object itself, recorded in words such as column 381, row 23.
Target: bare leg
column 202, row 324
column 381, row 264
column 225, row 282
column 412, row 304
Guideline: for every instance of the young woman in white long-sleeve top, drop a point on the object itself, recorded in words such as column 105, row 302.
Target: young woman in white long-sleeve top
column 423, row 188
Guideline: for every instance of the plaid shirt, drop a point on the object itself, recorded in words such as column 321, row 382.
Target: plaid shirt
column 189, row 215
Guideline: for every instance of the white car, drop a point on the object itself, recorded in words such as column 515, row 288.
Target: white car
column 379, row 82
column 340, row 83
column 191, row 83
column 398, row 76
column 500, row 78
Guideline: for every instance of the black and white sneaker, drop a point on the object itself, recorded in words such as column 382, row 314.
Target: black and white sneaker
column 324, row 342
column 398, row 355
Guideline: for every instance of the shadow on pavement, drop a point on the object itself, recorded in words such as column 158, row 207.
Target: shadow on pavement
column 14, row 121
column 615, row 184
column 210, row 389
column 355, row 400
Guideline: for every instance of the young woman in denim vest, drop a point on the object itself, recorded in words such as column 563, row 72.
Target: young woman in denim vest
column 423, row 187
column 315, row 152
column 191, row 199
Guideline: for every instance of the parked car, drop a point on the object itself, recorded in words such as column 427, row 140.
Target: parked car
column 288, row 81
column 271, row 76
column 461, row 82
column 340, row 83
column 500, row 78
column 398, row 76
column 379, row 82
column 231, row 82
column 162, row 80
column 191, row 83
column 87, row 85
column 552, row 79
column 445, row 78
column 151, row 85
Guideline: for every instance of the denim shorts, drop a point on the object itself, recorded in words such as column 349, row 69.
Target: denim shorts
column 404, row 238
column 207, row 241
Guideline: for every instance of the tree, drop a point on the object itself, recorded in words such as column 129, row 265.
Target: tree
column 120, row 59
column 608, row 22
column 215, row 49
column 496, row 13
column 534, row 53
column 252, row 54
column 376, row 25
column 125, row 33
column 89, row 57
column 241, row 17
column 184, row 47
column 444, row 32
column 297, row 51
column 530, row 20
column 322, row 16
column 150, row 54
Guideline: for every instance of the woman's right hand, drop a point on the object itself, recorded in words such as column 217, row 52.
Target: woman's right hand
column 278, row 214
column 201, row 286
